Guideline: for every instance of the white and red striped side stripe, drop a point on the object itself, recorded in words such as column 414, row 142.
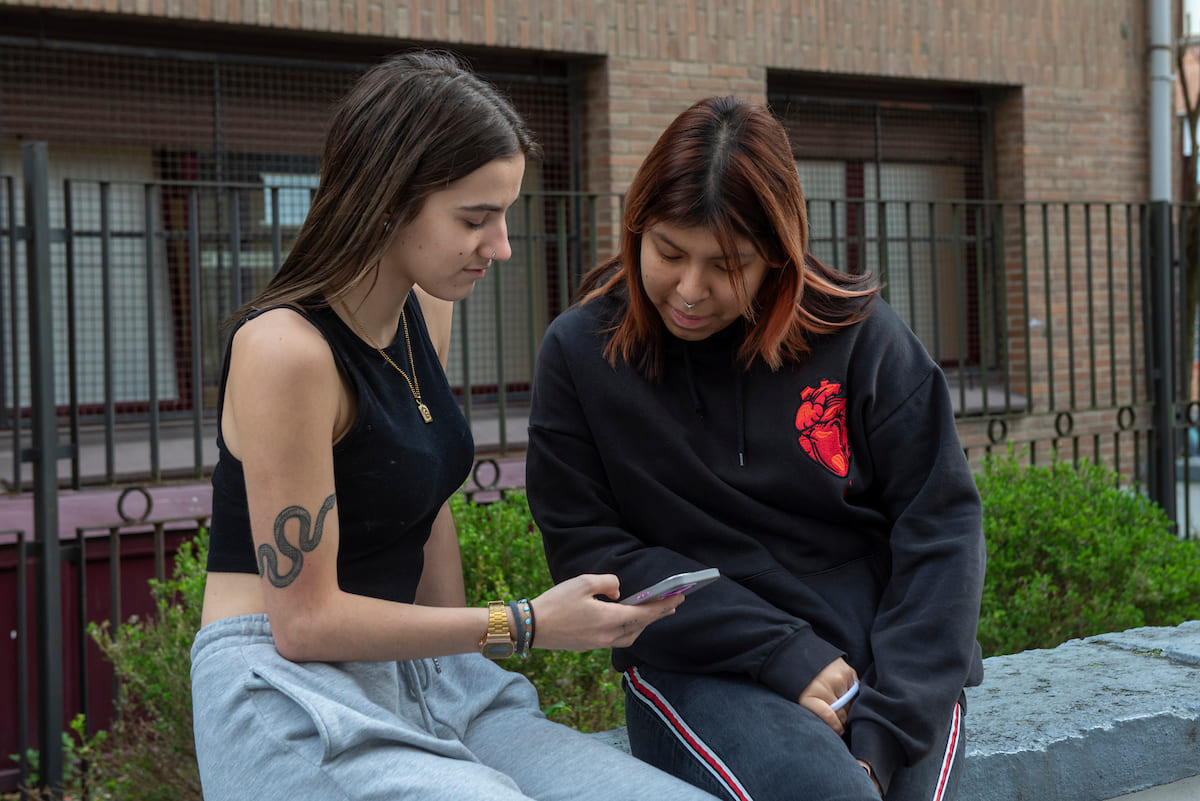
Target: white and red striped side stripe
column 949, row 756
column 654, row 700
column 688, row 738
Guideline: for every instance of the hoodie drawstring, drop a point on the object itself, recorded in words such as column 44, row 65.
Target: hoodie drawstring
column 697, row 404
column 739, row 400
column 738, row 391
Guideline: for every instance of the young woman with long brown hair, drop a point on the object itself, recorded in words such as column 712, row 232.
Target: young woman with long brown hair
column 337, row 659
column 721, row 398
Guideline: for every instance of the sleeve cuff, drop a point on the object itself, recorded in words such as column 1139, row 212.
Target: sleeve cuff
column 795, row 663
column 872, row 743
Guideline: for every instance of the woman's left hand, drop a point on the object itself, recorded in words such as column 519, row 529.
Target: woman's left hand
column 828, row 685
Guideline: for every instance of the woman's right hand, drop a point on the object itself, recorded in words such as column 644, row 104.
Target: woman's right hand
column 570, row 617
column 825, row 688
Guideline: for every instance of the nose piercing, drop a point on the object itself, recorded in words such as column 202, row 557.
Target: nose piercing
column 491, row 259
column 689, row 305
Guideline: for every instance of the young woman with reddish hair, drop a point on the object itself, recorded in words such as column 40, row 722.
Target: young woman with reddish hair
column 721, row 398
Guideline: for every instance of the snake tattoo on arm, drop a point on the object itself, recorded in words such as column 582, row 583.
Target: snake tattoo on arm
column 310, row 537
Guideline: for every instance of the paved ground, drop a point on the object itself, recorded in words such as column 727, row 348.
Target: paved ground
column 1185, row 790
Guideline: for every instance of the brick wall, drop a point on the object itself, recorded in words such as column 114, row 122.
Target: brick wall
column 1076, row 68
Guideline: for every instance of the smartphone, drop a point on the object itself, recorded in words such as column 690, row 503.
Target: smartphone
column 678, row 584
column 846, row 697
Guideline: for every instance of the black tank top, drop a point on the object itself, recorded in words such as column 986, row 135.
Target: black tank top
column 392, row 471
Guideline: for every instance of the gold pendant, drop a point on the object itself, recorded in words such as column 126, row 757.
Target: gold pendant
column 424, row 410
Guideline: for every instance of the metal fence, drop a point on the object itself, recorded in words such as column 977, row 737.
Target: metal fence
column 1043, row 316
column 138, row 304
column 1038, row 312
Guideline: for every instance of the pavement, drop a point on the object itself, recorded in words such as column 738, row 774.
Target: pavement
column 1185, row 790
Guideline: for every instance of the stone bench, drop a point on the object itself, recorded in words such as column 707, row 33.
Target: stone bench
column 1090, row 720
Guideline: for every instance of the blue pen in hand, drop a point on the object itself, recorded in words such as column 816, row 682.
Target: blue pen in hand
column 845, row 699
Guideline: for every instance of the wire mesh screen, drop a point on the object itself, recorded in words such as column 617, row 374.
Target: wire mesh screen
column 512, row 306
column 178, row 183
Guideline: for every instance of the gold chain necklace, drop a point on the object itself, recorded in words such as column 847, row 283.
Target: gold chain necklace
column 413, row 386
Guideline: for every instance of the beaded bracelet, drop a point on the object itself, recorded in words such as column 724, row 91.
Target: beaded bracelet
column 528, row 625
column 524, row 627
column 521, row 637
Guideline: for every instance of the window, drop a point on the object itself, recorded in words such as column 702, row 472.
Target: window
column 893, row 179
column 292, row 192
column 895, row 176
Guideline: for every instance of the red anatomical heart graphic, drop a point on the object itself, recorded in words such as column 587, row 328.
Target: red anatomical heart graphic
column 821, row 421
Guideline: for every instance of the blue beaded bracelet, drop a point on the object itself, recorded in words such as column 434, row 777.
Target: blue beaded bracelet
column 528, row 625
column 521, row 637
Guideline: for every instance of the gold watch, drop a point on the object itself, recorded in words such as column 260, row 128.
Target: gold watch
column 497, row 643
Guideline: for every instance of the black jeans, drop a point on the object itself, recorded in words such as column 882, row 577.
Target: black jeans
column 739, row 740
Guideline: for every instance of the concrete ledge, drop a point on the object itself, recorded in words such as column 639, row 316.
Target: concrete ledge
column 1090, row 720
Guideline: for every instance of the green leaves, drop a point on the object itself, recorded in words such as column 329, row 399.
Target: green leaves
column 1072, row 553
column 503, row 559
column 151, row 754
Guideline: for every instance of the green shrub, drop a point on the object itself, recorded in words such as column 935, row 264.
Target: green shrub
column 503, row 559
column 79, row 749
column 151, row 755
column 1072, row 554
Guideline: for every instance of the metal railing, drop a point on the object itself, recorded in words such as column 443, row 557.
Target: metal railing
column 139, row 308
column 1033, row 309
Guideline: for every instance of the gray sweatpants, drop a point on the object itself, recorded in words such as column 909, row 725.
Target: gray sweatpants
column 267, row 728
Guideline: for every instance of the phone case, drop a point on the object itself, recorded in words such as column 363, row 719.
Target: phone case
column 675, row 585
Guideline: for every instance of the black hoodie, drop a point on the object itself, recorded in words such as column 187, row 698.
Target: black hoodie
column 834, row 497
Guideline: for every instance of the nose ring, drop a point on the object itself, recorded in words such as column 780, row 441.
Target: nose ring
column 689, row 305
column 491, row 259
